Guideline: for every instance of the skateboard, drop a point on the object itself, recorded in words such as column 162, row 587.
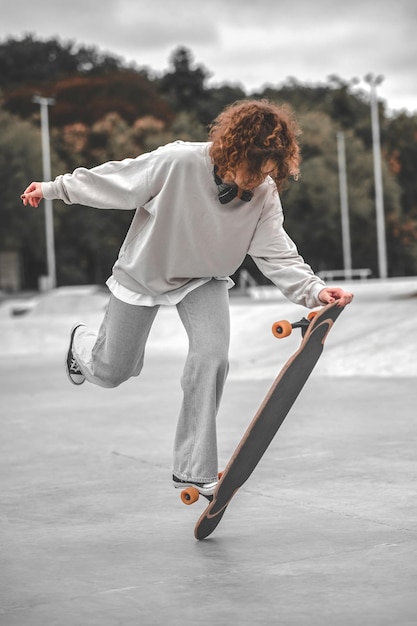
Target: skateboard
column 270, row 415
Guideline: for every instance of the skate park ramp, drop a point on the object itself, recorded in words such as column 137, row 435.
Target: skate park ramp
column 374, row 335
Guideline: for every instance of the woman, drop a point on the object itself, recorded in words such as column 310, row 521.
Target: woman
column 199, row 209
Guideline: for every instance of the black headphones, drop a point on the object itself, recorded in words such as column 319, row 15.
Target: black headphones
column 227, row 193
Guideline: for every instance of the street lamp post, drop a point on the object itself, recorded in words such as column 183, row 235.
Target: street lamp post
column 373, row 82
column 344, row 205
column 49, row 218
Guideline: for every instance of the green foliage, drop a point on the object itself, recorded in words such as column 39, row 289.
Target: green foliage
column 29, row 60
column 87, row 242
column 184, row 86
column 400, row 140
column 185, row 89
column 89, row 99
column 336, row 99
column 106, row 110
column 401, row 155
column 20, row 162
column 313, row 204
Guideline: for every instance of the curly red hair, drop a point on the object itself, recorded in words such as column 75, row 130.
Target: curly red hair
column 252, row 132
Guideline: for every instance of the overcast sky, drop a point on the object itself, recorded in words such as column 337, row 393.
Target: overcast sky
column 243, row 41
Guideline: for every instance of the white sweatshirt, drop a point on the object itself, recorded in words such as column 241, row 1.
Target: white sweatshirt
column 181, row 236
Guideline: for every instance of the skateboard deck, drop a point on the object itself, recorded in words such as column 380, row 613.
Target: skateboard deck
column 271, row 414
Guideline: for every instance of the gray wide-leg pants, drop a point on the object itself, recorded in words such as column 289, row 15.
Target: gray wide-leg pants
column 116, row 353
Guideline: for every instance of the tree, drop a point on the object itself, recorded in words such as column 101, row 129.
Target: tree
column 86, row 240
column 23, row 230
column 87, row 100
column 107, row 110
column 31, row 61
column 183, row 86
column 336, row 99
column 312, row 205
column 400, row 139
column 401, row 153
column 216, row 99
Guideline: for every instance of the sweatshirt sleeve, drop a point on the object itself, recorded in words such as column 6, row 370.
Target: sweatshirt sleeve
column 112, row 185
column 277, row 257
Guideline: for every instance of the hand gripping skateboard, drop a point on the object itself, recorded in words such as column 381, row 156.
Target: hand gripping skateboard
column 269, row 416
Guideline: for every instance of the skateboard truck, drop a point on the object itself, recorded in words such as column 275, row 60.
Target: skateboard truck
column 283, row 328
column 189, row 495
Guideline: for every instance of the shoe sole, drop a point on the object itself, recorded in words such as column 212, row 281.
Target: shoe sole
column 69, row 354
column 204, row 491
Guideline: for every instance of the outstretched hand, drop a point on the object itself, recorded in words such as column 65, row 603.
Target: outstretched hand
column 331, row 294
column 32, row 195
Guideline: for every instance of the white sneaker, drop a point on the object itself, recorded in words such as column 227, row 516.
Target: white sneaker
column 206, row 489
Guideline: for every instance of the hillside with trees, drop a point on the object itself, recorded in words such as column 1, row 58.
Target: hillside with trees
column 107, row 109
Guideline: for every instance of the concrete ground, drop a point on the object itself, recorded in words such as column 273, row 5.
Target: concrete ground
column 325, row 530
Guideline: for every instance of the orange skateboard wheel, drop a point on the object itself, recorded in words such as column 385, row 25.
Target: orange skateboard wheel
column 281, row 329
column 312, row 315
column 190, row 495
